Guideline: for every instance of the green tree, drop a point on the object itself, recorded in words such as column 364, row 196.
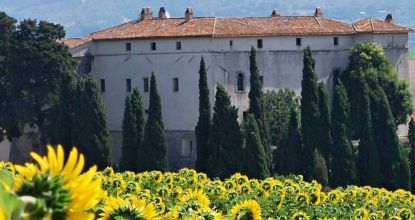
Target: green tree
column 277, row 109
column 324, row 126
column 289, row 153
column 36, row 64
column 392, row 166
column 369, row 60
column 343, row 160
column 91, row 135
column 411, row 137
column 256, row 104
column 154, row 154
column 225, row 138
column 313, row 161
column 203, row 125
column 255, row 162
column 132, row 132
column 368, row 158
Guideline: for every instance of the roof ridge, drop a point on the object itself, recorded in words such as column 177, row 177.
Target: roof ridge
column 372, row 25
column 214, row 27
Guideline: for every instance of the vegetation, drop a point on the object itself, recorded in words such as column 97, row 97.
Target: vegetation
column 185, row 194
column 132, row 132
column 203, row 125
column 154, row 151
column 225, row 139
column 324, row 125
column 91, row 135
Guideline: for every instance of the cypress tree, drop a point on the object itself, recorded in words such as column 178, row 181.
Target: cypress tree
column 132, row 132
column 203, row 125
column 368, row 159
column 91, row 134
column 225, row 138
column 154, row 154
column 289, row 154
column 255, row 162
column 343, row 163
column 256, row 104
column 61, row 129
column 324, row 126
column 411, row 137
column 313, row 162
column 392, row 166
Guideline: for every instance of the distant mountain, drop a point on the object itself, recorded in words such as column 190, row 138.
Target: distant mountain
column 81, row 17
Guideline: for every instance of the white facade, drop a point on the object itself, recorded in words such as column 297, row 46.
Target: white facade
column 280, row 62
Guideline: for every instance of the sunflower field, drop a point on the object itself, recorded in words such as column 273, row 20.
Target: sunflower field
column 58, row 188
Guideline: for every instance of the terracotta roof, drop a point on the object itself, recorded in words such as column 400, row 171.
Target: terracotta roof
column 236, row 27
column 373, row 25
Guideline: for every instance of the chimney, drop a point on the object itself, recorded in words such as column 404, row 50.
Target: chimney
column 188, row 14
column 318, row 12
column 146, row 14
column 162, row 13
column 275, row 13
column 389, row 18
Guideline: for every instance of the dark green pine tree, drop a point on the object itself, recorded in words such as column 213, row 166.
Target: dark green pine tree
column 324, row 126
column 225, row 138
column 203, row 125
column 289, row 154
column 313, row 161
column 91, row 134
column 154, row 144
column 256, row 104
column 368, row 163
column 254, row 160
column 411, row 137
column 132, row 132
column 394, row 169
column 343, row 160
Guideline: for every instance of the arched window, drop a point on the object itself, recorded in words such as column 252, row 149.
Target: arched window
column 240, row 82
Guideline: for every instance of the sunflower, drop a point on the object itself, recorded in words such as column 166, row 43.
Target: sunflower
column 248, row 209
column 361, row 213
column 2, row 215
column 300, row 216
column 118, row 208
column 405, row 214
column 195, row 200
column 62, row 185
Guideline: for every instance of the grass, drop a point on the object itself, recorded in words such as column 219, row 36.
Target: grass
column 412, row 53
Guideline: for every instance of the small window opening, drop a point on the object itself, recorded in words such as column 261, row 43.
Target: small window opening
column 336, row 41
column 178, row 45
column 240, row 82
column 175, row 84
column 259, row 43
column 145, row 82
column 298, row 41
column 102, row 82
column 128, row 46
column 128, row 82
column 153, row 46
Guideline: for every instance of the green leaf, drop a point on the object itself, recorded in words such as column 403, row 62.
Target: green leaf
column 6, row 180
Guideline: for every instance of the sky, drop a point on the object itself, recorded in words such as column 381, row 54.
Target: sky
column 81, row 17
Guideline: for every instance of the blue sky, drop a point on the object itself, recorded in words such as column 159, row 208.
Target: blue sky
column 81, row 17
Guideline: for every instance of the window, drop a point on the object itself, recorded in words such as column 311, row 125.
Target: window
column 336, row 41
column 259, row 43
column 128, row 81
column 240, row 82
column 153, row 46
column 231, row 43
column 261, row 80
column 178, row 45
column 187, row 148
column 175, row 84
column 298, row 42
column 128, row 46
column 102, row 82
column 145, row 81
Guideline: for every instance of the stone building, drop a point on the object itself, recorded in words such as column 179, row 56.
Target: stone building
column 124, row 56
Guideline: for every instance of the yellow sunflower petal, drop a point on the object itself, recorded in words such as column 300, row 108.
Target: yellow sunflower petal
column 44, row 166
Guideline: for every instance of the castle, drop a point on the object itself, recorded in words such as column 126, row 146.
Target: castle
column 124, row 56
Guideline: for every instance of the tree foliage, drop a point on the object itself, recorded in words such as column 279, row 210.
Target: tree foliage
column 289, row 153
column 343, row 164
column 254, row 160
column 411, row 137
column 313, row 161
column 154, row 154
column 277, row 108
column 225, row 138
column 203, row 125
column 324, row 125
column 91, row 135
column 132, row 132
